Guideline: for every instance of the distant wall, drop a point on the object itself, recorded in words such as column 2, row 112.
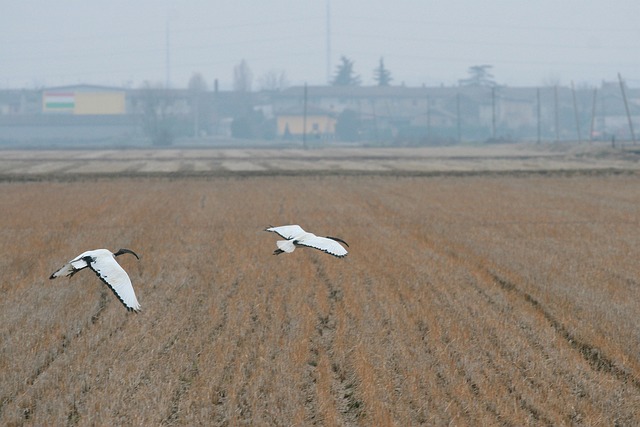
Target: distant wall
column 84, row 103
column 42, row 128
column 315, row 124
column 100, row 103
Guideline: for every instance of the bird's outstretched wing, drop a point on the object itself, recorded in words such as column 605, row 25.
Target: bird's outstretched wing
column 287, row 231
column 114, row 276
column 324, row 244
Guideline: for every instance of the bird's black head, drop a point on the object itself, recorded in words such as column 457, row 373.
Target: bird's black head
column 126, row 251
column 337, row 239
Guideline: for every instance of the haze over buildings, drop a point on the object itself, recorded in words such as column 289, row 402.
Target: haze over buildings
column 118, row 43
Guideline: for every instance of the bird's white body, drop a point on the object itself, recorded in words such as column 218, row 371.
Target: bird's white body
column 296, row 236
column 103, row 263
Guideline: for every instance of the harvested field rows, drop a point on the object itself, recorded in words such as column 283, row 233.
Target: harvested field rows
column 485, row 300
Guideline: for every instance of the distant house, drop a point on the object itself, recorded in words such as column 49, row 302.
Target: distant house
column 84, row 100
column 316, row 122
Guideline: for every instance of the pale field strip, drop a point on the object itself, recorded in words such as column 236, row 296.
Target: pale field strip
column 523, row 157
column 102, row 166
column 240, row 165
column 153, row 166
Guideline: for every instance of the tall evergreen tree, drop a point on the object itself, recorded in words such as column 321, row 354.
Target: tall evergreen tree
column 345, row 75
column 381, row 75
column 479, row 76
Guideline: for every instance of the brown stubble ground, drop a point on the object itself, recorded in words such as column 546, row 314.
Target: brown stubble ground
column 480, row 300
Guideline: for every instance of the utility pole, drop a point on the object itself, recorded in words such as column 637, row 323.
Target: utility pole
column 304, row 119
column 458, row 116
column 626, row 106
column 428, row 119
column 196, row 116
column 557, row 112
column 593, row 114
column 493, row 112
column 538, row 113
column 575, row 112
column 375, row 120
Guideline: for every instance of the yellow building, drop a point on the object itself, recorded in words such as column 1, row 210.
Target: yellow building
column 84, row 100
column 316, row 122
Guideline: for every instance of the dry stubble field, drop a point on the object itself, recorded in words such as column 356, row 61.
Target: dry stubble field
column 498, row 299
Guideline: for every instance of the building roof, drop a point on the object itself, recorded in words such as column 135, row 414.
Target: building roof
column 311, row 110
column 84, row 88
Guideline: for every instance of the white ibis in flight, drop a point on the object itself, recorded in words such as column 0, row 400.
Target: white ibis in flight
column 296, row 236
column 103, row 263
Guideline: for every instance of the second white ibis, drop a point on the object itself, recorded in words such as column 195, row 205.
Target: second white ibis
column 296, row 236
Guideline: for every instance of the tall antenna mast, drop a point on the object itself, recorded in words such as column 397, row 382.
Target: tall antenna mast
column 328, row 41
column 167, row 59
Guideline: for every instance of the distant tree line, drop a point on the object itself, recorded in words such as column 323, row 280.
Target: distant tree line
column 345, row 75
column 277, row 80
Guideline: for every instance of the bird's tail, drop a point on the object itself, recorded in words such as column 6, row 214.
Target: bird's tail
column 70, row 268
column 284, row 246
column 66, row 270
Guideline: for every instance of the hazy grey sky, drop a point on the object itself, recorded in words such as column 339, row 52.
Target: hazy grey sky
column 117, row 42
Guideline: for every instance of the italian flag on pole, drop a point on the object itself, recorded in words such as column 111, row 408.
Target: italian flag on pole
column 59, row 101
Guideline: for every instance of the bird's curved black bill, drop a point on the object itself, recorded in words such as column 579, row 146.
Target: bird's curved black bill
column 126, row 251
column 337, row 239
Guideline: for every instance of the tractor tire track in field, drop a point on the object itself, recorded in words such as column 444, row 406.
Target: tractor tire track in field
column 52, row 355
column 484, row 276
column 594, row 356
column 74, row 415
column 443, row 377
column 344, row 381
column 221, row 400
column 241, row 374
column 535, row 413
column 189, row 373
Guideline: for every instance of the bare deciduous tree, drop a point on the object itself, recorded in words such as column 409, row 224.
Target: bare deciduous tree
column 155, row 104
column 197, row 90
column 242, row 77
column 274, row 80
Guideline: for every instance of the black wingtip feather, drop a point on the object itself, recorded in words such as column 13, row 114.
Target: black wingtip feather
column 337, row 256
column 112, row 290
